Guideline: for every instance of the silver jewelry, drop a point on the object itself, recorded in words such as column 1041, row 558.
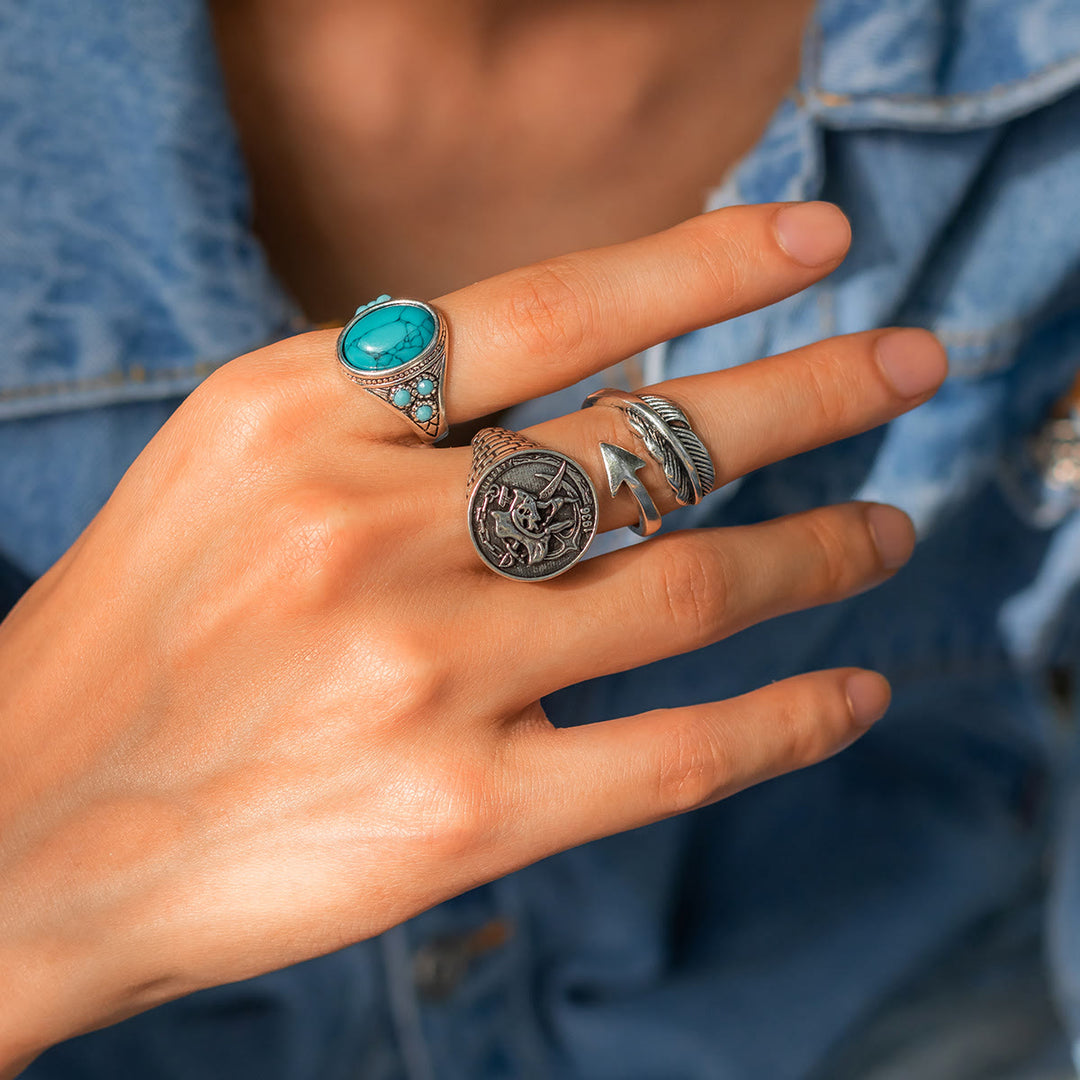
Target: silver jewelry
column 668, row 437
column 1055, row 451
column 532, row 511
column 396, row 350
column 621, row 467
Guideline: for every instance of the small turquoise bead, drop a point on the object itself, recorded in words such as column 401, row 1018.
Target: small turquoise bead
column 424, row 387
column 372, row 303
column 388, row 337
column 424, row 413
column 402, row 397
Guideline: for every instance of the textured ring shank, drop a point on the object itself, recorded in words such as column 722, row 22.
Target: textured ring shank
column 491, row 444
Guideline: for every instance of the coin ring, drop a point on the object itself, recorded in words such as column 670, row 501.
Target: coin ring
column 519, row 471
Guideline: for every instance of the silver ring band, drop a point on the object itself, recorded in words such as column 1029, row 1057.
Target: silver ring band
column 669, row 438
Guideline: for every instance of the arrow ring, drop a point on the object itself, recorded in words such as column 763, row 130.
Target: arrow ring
column 621, row 467
column 532, row 511
column 667, row 435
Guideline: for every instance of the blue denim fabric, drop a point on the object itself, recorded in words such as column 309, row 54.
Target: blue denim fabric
column 128, row 270
column 908, row 908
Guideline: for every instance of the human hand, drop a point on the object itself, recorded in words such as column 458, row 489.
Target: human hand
column 271, row 703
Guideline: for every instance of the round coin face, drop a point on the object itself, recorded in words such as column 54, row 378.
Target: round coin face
column 532, row 514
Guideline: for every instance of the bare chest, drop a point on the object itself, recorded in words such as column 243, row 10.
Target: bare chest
column 417, row 149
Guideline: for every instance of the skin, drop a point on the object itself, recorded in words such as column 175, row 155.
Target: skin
column 259, row 710
column 270, row 703
column 417, row 146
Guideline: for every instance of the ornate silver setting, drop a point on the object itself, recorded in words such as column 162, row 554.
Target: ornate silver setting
column 621, row 467
column 532, row 511
column 413, row 389
column 668, row 437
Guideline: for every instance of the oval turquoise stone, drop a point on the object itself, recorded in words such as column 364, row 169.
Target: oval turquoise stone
column 388, row 337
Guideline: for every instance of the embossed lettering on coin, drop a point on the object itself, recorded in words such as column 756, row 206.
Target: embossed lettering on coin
column 532, row 515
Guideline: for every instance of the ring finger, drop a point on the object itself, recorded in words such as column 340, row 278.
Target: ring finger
column 689, row 589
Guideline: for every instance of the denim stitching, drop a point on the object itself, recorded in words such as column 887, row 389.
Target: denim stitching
column 829, row 99
column 135, row 376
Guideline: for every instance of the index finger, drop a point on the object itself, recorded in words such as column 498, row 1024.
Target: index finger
column 532, row 331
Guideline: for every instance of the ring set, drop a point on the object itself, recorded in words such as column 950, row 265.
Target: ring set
column 532, row 512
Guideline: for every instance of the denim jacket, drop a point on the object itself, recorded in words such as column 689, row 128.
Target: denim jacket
column 910, row 907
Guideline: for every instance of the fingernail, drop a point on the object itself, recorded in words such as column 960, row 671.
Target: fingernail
column 893, row 533
column 912, row 360
column 813, row 233
column 868, row 697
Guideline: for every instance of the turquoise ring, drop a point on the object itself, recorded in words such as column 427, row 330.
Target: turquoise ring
column 396, row 350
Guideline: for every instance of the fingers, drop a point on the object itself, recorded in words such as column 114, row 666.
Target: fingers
column 532, row 331
column 747, row 416
column 688, row 589
column 759, row 413
column 604, row 778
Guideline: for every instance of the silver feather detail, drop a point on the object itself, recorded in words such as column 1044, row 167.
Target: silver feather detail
column 676, row 419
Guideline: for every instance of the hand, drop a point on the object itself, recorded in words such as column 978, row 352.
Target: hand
column 271, row 703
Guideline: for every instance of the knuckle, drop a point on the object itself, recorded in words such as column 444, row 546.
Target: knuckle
column 834, row 564
column 693, row 589
column 316, row 544
column 449, row 805
column 262, row 402
column 795, row 739
column 720, row 258
column 461, row 816
column 550, row 309
column 409, row 675
column 237, row 415
column 691, row 767
column 805, row 727
column 830, row 388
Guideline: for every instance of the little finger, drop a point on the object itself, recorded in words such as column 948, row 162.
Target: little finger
column 599, row 779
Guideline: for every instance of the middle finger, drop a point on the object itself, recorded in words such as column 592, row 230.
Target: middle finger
column 758, row 413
